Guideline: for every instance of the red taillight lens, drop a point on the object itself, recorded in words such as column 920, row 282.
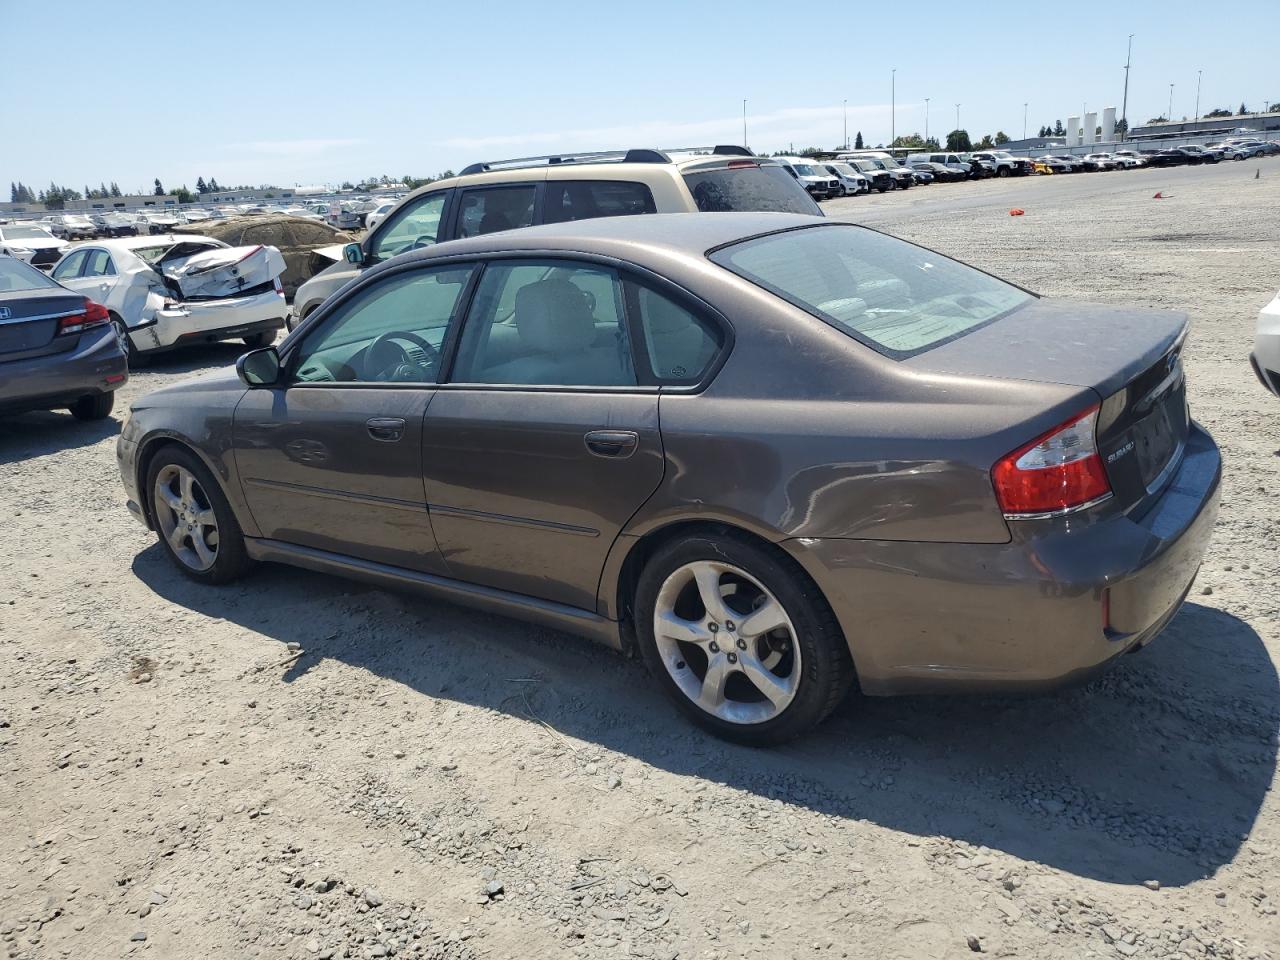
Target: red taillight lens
column 1055, row 473
column 740, row 164
column 95, row 315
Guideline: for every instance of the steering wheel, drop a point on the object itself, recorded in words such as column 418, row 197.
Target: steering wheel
column 422, row 243
column 389, row 358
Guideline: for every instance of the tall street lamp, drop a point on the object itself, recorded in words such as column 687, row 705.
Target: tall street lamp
column 1169, row 116
column 926, row 119
column 1024, row 121
column 893, row 100
column 1198, row 74
column 1124, row 107
column 744, row 123
column 957, row 116
column 845, row 141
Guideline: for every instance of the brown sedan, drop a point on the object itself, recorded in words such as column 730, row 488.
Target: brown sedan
column 774, row 454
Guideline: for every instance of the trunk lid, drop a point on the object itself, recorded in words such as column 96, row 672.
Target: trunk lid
column 1129, row 356
column 224, row 272
column 31, row 327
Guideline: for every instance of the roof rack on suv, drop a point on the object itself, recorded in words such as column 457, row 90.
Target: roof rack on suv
column 641, row 155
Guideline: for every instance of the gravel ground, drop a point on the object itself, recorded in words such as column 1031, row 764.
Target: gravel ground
column 427, row 781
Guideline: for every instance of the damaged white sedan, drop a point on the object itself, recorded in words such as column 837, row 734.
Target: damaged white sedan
column 173, row 291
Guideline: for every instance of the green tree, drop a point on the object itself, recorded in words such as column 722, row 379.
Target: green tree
column 1122, row 126
column 1058, row 129
column 213, row 185
column 201, row 187
column 159, row 191
column 910, row 140
column 1001, row 138
column 1243, row 110
column 857, row 141
column 13, row 192
column 184, row 195
column 115, row 189
column 347, row 185
column 958, row 141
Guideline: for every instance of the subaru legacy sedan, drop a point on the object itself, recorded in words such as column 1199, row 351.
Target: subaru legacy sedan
column 774, row 455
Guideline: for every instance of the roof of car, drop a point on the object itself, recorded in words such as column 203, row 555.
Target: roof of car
column 679, row 234
column 155, row 240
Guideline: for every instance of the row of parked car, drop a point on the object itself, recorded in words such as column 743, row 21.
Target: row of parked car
column 853, row 173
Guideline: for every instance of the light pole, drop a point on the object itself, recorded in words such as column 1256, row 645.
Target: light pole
column 1198, row 75
column 1169, row 116
column 845, row 141
column 744, row 123
column 1124, row 106
column 893, row 101
column 1024, row 121
column 957, row 116
column 926, row 120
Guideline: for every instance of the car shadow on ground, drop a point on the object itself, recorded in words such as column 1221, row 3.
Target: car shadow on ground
column 24, row 436
column 1154, row 771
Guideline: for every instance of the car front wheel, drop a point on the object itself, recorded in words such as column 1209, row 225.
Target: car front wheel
column 96, row 406
column 741, row 639
column 193, row 519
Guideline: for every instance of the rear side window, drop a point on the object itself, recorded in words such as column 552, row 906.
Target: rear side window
column 679, row 345
column 895, row 297
column 586, row 199
column 492, row 209
column 70, row 267
column 743, row 185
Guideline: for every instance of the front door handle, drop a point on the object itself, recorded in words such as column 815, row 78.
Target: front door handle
column 612, row 443
column 386, row 429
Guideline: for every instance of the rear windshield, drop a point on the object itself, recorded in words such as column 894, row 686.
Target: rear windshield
column 16, row 275
column 748, row 187
column 895, row 297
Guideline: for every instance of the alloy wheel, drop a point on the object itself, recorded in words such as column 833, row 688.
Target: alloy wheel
column 727, row 642
column 185, row 517
column 122, row 336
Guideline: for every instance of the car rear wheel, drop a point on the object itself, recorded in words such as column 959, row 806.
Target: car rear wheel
column 96, row 406
column 741, row 639
column 193, row 519
column 136, row 359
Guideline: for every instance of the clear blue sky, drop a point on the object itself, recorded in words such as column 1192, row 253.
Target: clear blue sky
column 319, row 91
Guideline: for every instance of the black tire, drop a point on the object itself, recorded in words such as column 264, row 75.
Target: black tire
column 258, row 340
column 233, row 559
column 827, row 671
column 137, row 360
column 95, row 406
column 1002, row 172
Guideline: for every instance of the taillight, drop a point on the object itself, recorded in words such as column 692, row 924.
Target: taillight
column 279, row 287
column 1055, row 473
column 741, row 164
column 95, row 315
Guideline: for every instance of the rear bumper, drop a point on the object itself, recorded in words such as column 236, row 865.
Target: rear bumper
column 1057, row 602
column 207, row 321
column 95, row 366
column 1265, row 358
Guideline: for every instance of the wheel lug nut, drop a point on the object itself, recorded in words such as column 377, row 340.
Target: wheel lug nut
column 713, row 627
column 733, row 658
column 742, row 644
column 728, row 625
column 715, row 647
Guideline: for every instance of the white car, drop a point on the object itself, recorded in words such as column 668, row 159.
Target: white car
column 34, row 244
column 1131, row 158
column 1266, row 347
column 378, row 214
column 172, row 291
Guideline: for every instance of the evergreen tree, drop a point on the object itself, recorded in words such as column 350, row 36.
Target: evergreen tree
column 857, row 141
column 1001, row 137
column 201, row 186
column 115, row 189
column 1058, row 129
column 159, row 188
column 13, row 192
column 958, row 140
column 1243, row 110
column 213, row 184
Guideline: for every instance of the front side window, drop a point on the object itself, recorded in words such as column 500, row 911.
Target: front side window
column 390, row 332
column 586, row 199
column 747, row 185
column 496, row 208
column 416, row 225
column 546, row 323
column 69, row 268
column 893, row 296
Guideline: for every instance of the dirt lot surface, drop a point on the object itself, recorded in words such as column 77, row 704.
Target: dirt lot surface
column 427, row 781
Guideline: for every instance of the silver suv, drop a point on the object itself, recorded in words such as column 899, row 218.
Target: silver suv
column 507, row 194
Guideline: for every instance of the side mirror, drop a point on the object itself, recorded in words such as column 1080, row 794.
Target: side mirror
column 354, row 253
column 259, row 368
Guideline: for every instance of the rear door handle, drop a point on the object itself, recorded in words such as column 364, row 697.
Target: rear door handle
column 612, row 443
column 386, row 429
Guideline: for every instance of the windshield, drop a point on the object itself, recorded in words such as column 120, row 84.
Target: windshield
column 25, row 233
column 807, row 171
column 866, row 165
column 16, row 275
column 893, row 296
column 844, row 169
column 748, row 186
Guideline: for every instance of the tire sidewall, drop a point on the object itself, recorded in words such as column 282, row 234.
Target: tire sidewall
column 803, row 604
column 232, row 560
